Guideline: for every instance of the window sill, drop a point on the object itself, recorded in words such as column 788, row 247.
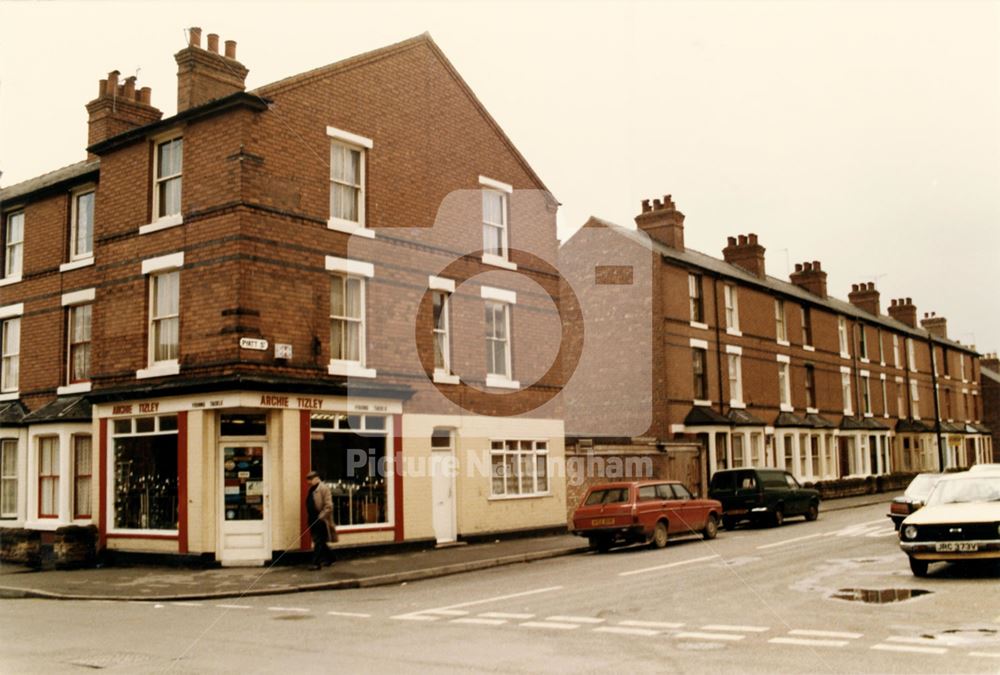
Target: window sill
column 864, row 359
column 702, row 402
column 783, row 343
column 349, row 227
column 699, row 325
column 736, row 332
column 7, row 281
column 499, row 261
column 504, row 498
column 10, row 396
column 869, row 415
column 812, row 411
column 162, row 224
column 808, row 348
column 76, row 264
column 739, row 405
column 159, row 370
column 75, row 388
column 350, row 369
column 441, row 377
column 502, row 382
column 848, row 412
column 845, row 355
column 786, row 408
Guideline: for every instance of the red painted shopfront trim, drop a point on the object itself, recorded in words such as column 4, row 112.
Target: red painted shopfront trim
column 102, row 480
column 397, row 474
column 305, row 459
column 182, row 482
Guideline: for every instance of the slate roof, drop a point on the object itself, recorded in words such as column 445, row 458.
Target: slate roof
column 12, row 413
column 49, row 180
column 63, row 409
column 701, row 416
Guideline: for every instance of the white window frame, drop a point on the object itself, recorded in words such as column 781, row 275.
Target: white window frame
column 535, row 453
column 842, row 334
column 845, row 390
column 153, row 267
column 734, row 358
column 696, row 298
column 111, row 477
column 11, row 446
column 75, row 476
column 895, row 350
column 863, row 343
column 814, row 408
column 362, row 145
column 498, row 298
column 447, row 288
column 10, row 320
column 881, row 346
column 885, row 395
column 961, row 367
column 866, row 394
column 915, row 399
column 71, row 384
column 780, row 322
column 505, row 191
column 784, row 382
column 12, row 251
column 159, row 222
column 807, row 335
column 911, row 356
column 900, row 398
column 730, row 294
column 55, row 463
column 74, row 232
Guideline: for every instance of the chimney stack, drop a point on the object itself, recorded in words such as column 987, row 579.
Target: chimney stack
column 118, row 108
column 904, row 311
column 662, row 222
column 864, row 296
column 744, row 251
column 935, row 325
column 204, row 75
column 990, row 361
column 810, row 276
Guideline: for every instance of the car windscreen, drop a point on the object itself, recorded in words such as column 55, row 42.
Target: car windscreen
column 722, row 481
column 773, row 479
column 966, row 489
column 922, row 485
column 607, row 496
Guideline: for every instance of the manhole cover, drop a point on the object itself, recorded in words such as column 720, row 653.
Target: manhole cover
column 878, row 596
column 292, row 617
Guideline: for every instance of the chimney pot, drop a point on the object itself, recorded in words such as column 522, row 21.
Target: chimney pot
column 798, row 267
column 742, row 240
column 102, row 88
column 807, row 267
column 230, row 49
column 645, row 206
column 213, row 43
column 112, row 82
column 854, row 288
column 657, row 205
column 129, row 90
column 816, row 265
column 731, row 241
column 194, row 36
column 752, row 238
column 909, row 301
column 146, row 96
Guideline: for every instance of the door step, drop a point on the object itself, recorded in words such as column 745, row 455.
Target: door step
column 450, row 544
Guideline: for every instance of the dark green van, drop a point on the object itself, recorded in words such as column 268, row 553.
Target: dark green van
column 761, row 496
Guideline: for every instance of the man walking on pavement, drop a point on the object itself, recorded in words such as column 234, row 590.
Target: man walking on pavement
column 319, row 507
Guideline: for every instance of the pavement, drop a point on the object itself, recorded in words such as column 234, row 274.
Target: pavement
column 146, row 583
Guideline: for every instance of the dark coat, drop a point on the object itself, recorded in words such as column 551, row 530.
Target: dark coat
column 323, row 501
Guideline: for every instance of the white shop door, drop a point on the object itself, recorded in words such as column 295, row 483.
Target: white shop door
column 244, row 515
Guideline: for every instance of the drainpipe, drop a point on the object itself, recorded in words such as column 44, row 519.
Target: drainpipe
column 937, row 404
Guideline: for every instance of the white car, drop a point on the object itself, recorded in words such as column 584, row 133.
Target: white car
column 960, row 521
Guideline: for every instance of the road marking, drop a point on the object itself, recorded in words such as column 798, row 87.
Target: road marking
column 989, row 655
column 912, row 640
column 358, row 615
column 446, row 612
column 908, row 648
column 234, row 606
column 574, row 619
column 550, row 624
column 825, row 633
column 650, row 624
column 694, row 635
column 186, row 604
column 421, row 614
column 805, row 642
column 618, row 630
column 507, row 615
column 287, row 609
column 736, row 629
column 667, row 566
column 792, row 541
column 479, row 621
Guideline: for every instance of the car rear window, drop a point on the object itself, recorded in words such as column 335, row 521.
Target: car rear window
column 647, row 493
column 607, row 496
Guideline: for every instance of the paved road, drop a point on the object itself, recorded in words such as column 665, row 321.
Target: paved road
column 750, row 601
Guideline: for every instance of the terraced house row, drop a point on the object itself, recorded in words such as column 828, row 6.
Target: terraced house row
column 760, row 371
column 271, row 281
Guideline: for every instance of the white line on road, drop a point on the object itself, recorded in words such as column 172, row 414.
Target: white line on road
column 736, row 629
column 805, row 642
column 287, row 609
column 574, row 619
column 694, row 635
column 912, row 640
column 234, row 606
column 507, row 615
column 908, row 648
column 667, row 566
column 550, row 624
column 186, row 604
column 825, row 633
column 422, row 614
column 618, row 630
column 650, row 624
column 415, row 617
column 446, row 612
column 479, row 621
column 357, row 615
column 989, row 655
column 792, row 541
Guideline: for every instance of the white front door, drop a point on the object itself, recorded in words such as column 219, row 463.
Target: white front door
column 244, row 524
column 443, row 486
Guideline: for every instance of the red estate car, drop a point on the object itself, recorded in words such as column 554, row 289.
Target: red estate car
column 643, row 511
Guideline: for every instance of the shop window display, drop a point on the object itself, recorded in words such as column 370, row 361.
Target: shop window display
column 349, row 452
column 145, row 473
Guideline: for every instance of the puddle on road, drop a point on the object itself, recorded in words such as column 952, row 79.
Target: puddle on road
column 878, row 596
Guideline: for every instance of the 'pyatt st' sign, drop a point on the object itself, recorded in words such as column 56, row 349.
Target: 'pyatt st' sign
column 253, row 343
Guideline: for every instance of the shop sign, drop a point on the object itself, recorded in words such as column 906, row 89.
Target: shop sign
column 254, row 344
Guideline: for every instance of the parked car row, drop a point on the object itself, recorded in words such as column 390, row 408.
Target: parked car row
column 651, row 512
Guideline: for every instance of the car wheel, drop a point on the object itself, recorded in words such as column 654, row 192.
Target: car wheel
column 660, row 535
column 812, row 513
column 778, row 517
column 918, row 567
column 729, row 523
column 711, row 527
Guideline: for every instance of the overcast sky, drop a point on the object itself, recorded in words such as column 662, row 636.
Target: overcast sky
column 864, row 135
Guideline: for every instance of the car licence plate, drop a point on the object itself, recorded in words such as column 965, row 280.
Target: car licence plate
column 597, row 522
column 956, row 547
